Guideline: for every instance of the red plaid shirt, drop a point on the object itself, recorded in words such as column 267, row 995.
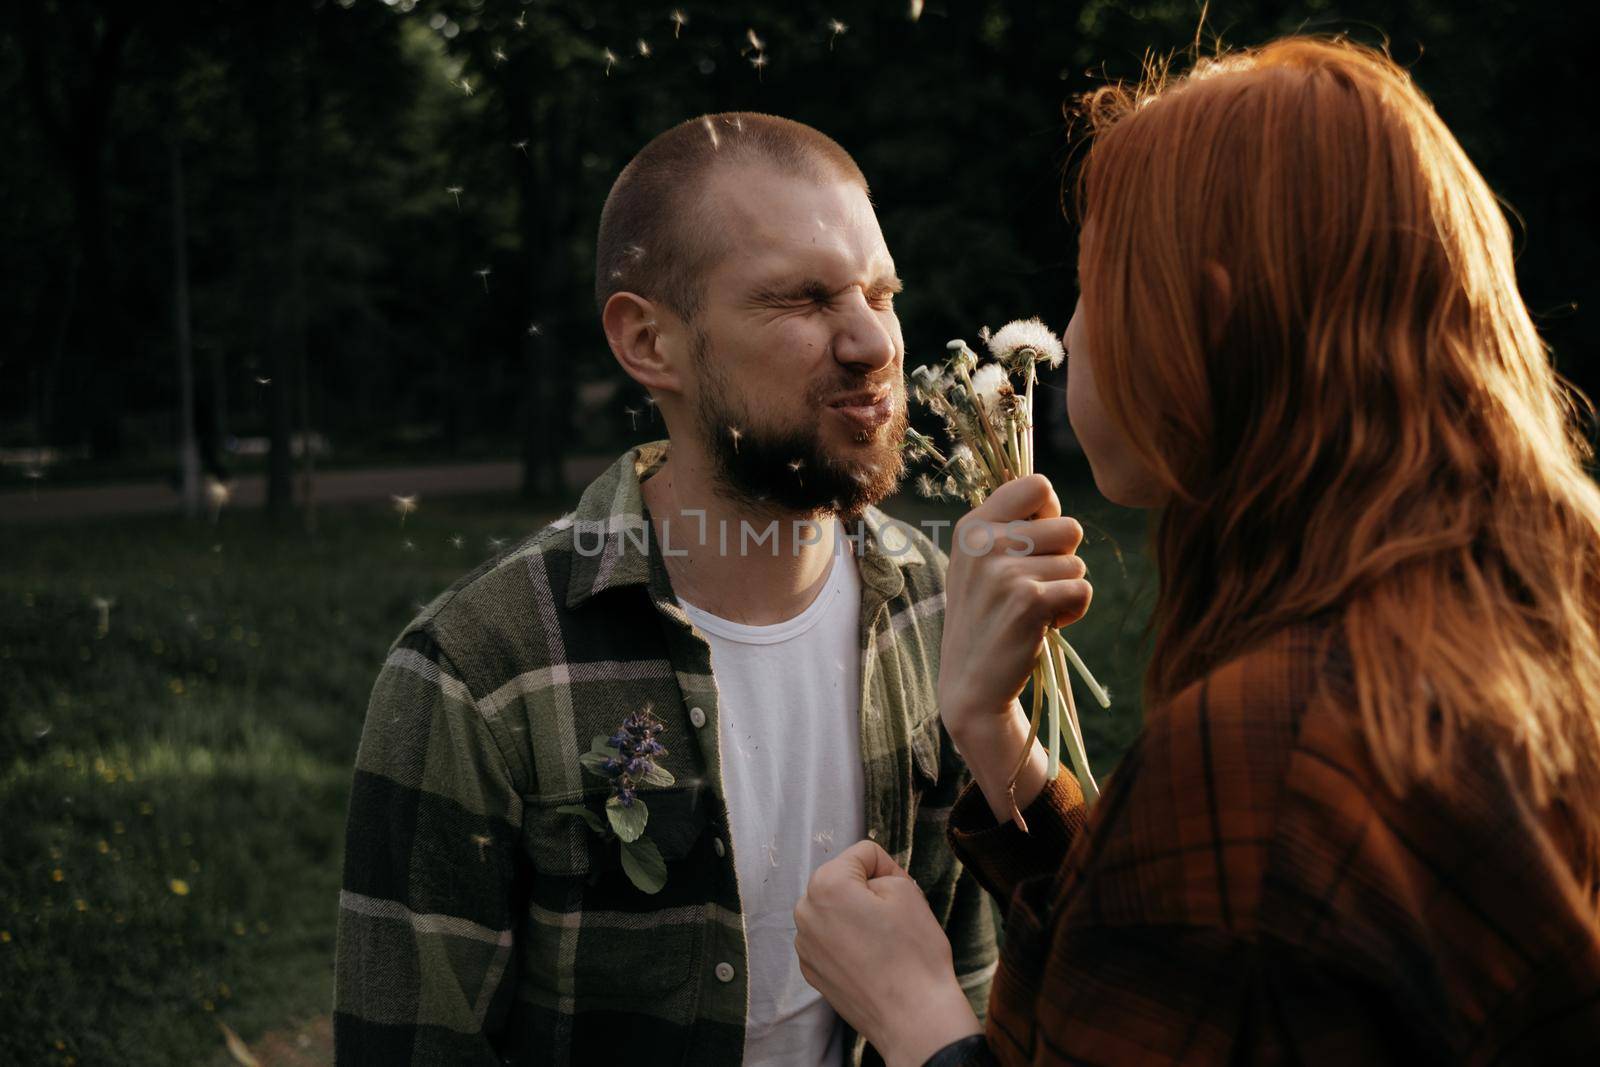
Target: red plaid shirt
column 1248, row 890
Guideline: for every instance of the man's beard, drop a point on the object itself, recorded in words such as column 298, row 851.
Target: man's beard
column 770, row 468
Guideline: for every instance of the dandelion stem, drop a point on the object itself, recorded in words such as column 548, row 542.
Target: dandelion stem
column 1076, row 751
column 1101, row 697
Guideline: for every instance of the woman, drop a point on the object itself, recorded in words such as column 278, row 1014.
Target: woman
column 1362, row 820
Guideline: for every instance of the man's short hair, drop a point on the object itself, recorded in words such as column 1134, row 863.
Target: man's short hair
column 658, row 232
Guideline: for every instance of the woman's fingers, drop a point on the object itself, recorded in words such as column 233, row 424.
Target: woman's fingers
column 1021, row 498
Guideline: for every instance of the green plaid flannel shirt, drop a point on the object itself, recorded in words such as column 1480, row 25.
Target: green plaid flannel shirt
column 477, row 925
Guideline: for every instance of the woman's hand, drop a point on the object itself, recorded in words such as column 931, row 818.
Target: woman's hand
column 1012, row 573
column 868, row 942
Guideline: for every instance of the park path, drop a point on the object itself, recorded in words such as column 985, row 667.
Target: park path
column 43, row 505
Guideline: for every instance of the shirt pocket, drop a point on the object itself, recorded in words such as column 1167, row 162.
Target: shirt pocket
column 620, row 942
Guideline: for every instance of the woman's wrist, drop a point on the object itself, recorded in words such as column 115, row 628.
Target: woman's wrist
column 938, row 1022
column 992, row 746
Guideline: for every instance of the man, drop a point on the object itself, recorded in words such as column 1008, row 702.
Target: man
column 736, row 584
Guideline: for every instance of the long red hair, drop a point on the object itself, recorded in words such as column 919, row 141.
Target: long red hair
column 1360, row 422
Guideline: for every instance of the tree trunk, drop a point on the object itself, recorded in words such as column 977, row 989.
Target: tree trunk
column 188, row 453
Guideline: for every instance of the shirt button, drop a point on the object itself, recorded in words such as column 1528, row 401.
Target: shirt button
column 718, row 847
column 724, row 972
column 698, row 717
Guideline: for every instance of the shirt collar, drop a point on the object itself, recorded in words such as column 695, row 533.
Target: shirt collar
column 611, row 523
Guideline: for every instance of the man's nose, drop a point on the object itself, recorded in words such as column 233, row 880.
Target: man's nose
column 866, row 336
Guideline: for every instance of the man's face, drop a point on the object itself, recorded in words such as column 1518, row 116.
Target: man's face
column 797, row 382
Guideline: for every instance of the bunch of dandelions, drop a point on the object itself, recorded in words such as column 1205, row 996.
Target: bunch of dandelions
column 989, row 422
column 627, row 760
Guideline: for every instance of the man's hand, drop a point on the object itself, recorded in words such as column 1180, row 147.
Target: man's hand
column 1000, row 598
column 868, row 942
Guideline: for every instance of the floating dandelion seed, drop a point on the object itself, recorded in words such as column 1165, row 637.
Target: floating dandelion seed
column 409, row 545
column 759, row 61
column 263, row 381
column 103, row 606
column 405, row 505
column 218, row 493
column 755, row 42
column 482, row 841
column 633, row 417
column 535, row 330
column 497, row 543
column 611, row 61
column 795, row 465
column 483, row 276
column 466, row 86
column 836, row 28
column 458, row 541
column 521, row 21
column 520, row 146
column 916, row 10
column 500, row 55
column 735, row 433
column 824, row 838
column 644, row 48
column 711, row 131
column 679, row 21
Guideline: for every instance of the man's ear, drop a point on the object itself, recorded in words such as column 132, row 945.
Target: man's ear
column 633, row 330
column 1218, row 306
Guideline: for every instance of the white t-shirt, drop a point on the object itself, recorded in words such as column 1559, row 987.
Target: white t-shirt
column 789, row 696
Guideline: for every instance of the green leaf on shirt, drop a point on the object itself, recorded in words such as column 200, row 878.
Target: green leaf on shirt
column 593, row 762
column 658, row 776
column 628, row 821
column 596, row 823
column 642, row 863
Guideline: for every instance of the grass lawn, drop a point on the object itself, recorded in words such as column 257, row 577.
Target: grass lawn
column 174, row 767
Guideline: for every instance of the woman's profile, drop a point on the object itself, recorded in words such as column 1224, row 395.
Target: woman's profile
column 1362, row 820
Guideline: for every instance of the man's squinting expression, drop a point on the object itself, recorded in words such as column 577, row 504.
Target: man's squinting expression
column 798, row 380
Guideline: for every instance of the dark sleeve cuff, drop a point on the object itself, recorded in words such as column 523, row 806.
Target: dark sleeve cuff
column 968, row 1052
column 999, row 854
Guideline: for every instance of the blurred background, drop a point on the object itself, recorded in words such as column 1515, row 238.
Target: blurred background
column 297, row 327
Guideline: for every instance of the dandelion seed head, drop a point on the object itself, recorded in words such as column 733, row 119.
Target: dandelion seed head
column 520, row 146
column 837, row 27
column 679, row 21
column 457, row 541
column 796, row 464
column 990, row 384
column 466, row 86
column 1024, row 340
column 521, row 21
column 643, row 47
column 500, row 55
column 611, row 60
column 408, row 545
column 759, row 61
column 535, row 330
column 404, row 505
